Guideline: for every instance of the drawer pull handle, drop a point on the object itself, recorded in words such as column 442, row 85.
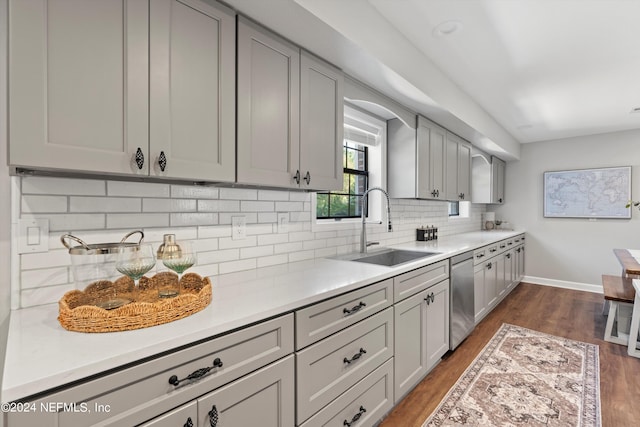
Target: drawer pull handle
column 355, row 309
column 479, row 255
column 189, row 423
column 355, row 418
column 213, row 416
column 502, row 246
column 430, row 298
column 355, row 357
column 217, row 363
column 492, row 250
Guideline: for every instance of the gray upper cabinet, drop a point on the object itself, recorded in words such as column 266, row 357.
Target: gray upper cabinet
column 268, row 107
column 78, row 85
column 416, row 160
column 192, row 90
column 488, row 179
column 458, row 168
column 127, row 88
column 498, row 169
column 289, row 114
column 321, row 124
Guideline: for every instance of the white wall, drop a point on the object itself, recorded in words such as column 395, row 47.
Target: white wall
column 570, row 250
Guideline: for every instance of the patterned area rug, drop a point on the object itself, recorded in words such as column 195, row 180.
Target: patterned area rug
column 524, row 377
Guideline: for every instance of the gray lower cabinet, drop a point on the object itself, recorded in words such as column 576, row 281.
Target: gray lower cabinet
column 264, row 398
column 183, row 416
column 333, row 365
column 146, row 390
column 421, row 335
column 363, row 405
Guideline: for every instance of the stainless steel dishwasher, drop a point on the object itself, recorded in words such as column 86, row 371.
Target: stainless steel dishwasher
column 462, row 320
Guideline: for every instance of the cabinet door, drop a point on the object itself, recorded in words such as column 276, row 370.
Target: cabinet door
column 78, row 88
column 430, row 164
column 490, row 283
column 410, row 355
column 451, row 167
column 321, row 124
column 464, row 172
column 268, row 99
column 497, row 180
column 480, row 309
column 263, row 398
column 437, row 330
column 437, row 162
column 192, row 90
column 503, row 272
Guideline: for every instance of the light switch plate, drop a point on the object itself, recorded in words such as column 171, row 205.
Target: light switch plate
column 33, row 235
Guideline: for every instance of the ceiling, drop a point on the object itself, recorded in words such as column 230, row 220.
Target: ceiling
column 544, row 69
column 515, row 71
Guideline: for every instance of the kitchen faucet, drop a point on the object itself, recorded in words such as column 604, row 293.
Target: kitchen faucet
column 363, row 234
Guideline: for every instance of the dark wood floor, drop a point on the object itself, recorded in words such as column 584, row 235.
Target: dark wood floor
column 571, row 314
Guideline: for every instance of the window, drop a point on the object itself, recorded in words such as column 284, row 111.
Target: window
column 362, row 150
column 347, row 203
column 454, row 209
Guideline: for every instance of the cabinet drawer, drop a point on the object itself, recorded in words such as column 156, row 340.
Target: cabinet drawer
column 362, row 405
column 178, row 417
column 325, row 318
column 414, row 281
column 491, row 250
column 141, row 392
column 479, row 255
column 264, row 398
column 328, row 368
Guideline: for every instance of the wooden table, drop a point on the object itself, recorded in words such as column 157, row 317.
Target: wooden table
column 619, row 295
column 630, row 265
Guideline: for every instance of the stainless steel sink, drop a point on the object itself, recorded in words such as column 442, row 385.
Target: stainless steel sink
column 392, row 257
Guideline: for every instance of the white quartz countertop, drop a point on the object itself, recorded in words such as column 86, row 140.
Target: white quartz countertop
column 42, row 355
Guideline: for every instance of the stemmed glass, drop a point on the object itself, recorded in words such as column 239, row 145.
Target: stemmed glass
column 179, row 261
column 135, row 261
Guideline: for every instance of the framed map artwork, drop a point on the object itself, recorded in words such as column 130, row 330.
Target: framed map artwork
column 588, row 193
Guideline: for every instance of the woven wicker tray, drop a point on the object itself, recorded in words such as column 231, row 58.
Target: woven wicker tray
column 78, row 312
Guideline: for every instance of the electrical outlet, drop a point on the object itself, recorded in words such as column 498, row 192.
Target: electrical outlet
column 283, row 222
column 238, row 227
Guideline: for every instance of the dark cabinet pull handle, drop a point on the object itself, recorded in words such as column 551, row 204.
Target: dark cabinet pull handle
column 479, row 256
column 489, row 266
column 430, row 298
column 296, row 177
column 174, row 381
column 500, row 200
column 518, row 250
column 508, row 256
column 492, row 250
column 433, row 193
column 502, row 246
column 354, row 309
column 355, row 357
column 510, row 243
column 437, row 193
column 139, row 158
column 162, row 161
column 461, row 195
column 213, row 416
column 189, row 423
column 307, row 178
column 355, row 418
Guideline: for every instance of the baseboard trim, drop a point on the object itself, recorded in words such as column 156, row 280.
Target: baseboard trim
column 587, row 287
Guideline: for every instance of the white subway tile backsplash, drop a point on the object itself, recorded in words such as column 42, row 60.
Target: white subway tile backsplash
column 169, row 205
column 195, row 218
column 30, row 279
column 43, row 204
column 137, row 189
column 104, row 204
column 194, row 192
column 238, row 194
column 135, row 221
column 99, row 211
column 71, row 222
column 218, row 205
column 63, row 186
